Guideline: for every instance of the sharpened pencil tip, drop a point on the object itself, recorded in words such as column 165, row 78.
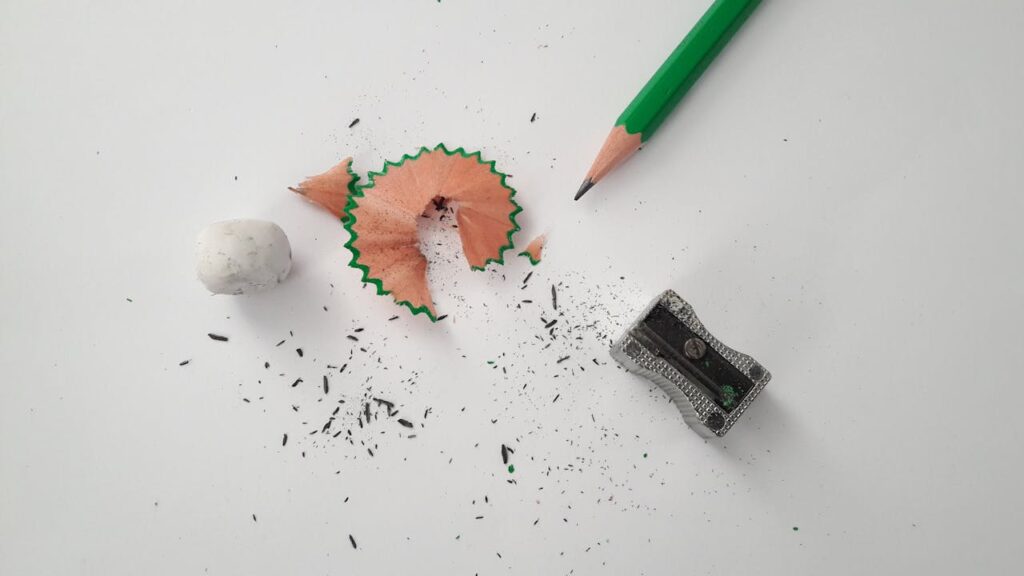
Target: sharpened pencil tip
column 587, row 185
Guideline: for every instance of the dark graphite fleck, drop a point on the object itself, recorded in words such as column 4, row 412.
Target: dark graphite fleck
column 218, row 337
column 353, row 123
column 350, row 417
column 350, row 538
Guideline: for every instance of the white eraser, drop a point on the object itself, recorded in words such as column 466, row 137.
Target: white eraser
column 242, row 256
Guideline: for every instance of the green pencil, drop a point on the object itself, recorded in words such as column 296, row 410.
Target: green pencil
column 668, row 85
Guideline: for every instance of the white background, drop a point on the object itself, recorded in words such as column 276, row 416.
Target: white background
column 840, row 197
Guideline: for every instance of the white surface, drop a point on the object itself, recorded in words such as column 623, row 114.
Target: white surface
column 839, row 197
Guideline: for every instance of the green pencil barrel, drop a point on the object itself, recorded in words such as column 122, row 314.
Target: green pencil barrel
column 684, row 66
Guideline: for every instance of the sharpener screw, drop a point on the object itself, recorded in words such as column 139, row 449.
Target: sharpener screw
column 715, row 422
column 694, row 348
column 756, row 372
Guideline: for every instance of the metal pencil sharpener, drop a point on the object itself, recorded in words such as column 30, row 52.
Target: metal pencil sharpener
column 710, row 383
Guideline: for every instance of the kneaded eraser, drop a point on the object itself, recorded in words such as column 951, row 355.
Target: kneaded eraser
column 242, row 256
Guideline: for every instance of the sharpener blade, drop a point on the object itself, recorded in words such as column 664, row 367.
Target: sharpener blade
column 710, row 383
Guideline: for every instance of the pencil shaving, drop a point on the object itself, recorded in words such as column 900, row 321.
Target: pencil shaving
column 534, row 249
column 383, row 219
column 331, row 189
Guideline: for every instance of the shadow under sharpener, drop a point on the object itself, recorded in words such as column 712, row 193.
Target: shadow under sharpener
column 710, row 383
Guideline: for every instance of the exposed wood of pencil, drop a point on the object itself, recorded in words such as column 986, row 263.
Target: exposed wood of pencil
column 619, row 145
